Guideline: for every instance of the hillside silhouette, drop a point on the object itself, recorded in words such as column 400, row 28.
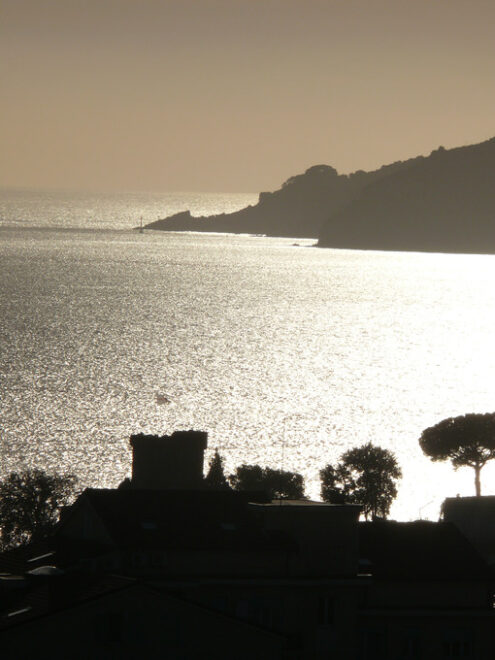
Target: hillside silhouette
column 298, row 209
column 443, row 202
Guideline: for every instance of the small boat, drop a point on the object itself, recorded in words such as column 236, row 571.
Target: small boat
column 161, row 399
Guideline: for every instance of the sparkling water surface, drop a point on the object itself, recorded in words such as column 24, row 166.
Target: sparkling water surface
column 287, row 355
column 40, row 208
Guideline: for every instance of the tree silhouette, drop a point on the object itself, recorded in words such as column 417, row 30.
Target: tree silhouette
column 336, row 484
column 278, row 484
column 30, row 504
column 365, row 475
column 467, row 440
column 215, row 478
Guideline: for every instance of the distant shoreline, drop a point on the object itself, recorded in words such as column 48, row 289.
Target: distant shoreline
column 442, row 203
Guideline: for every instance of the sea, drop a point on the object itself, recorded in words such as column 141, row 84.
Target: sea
column 286, row 354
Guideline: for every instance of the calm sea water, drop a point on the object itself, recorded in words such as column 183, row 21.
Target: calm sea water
column 287, row 355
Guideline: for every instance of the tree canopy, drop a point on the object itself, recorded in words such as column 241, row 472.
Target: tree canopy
column 467, row 440
column 215, row 477
column 30, row 504
column 365, row 475
column 278, row 484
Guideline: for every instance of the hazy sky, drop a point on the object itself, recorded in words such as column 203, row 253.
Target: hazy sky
column 235, row 95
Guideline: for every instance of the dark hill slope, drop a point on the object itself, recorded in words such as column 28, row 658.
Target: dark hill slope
column 443, row 203
column 299, row 208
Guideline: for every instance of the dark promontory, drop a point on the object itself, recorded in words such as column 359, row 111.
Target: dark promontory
column 298, row 209
column 444, row 202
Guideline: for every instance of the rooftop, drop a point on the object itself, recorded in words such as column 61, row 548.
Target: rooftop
column 421, row 549
column 191, row 519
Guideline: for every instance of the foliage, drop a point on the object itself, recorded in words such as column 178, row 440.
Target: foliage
column 215, row 478
column 467, row 440
column 278, row 484
column 336, row 484
column 30, row 504
column 365, row 475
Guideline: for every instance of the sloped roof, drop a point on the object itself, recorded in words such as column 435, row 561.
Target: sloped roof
column 74, row 591
column 474, row 505
column 21, row 559
column 44, row 596
column 181, row 519
column 421, row 549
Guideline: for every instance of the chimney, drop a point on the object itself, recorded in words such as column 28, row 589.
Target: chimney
column 168, row 462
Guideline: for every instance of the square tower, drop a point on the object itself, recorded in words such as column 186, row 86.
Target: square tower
column 168, row 462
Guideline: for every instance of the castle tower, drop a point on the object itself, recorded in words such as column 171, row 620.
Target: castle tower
column 168, row 462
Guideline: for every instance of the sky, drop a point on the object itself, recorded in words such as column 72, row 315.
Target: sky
column 235, row 95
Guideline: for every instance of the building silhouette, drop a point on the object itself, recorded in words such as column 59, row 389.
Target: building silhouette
column 157, row 569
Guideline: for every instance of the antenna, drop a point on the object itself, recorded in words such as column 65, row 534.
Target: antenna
column 423, row 507
column 281, row 470
column 283, row 452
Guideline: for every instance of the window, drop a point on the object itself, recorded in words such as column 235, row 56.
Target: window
column 219, row 603
column 458, row 643
column 229, row 527
column 249, row 608
column 157, row 559
column 374, row 645
column 108, row 627
column 242, row 609
column 266, row 615
column 325, row 610
column 149, row 525
column 138, row 560
column 410, row 644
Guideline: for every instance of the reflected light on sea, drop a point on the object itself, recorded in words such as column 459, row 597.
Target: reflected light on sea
column 286, row 355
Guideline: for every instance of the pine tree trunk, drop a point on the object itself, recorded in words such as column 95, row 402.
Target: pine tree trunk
column 477, row 480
